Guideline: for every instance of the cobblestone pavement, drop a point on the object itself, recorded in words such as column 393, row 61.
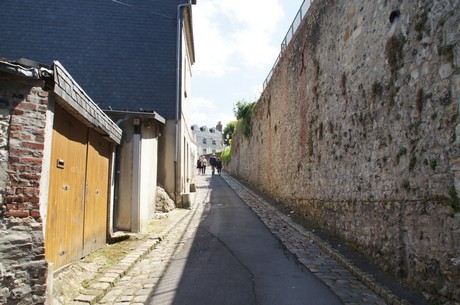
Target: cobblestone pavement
column 350, row 284
column 137, row 285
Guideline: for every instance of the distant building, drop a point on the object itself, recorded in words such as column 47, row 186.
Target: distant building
column 209, row 139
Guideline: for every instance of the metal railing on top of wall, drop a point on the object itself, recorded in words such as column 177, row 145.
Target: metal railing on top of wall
column 290, row 33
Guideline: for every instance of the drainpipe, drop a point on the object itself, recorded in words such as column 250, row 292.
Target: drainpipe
column 178, row 88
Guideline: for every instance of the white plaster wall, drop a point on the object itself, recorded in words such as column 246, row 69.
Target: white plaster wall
column 166, row 158
column 123, row 206
column 148, row 171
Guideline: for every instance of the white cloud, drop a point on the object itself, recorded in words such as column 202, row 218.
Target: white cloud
column 203, row 103
column 207, row 112
column 211, row 43
column 203, row 111
column 256, row 91
column 252, row 33
column 225, row 118
column 234, row 33
column 236, row 45
column 254, row 13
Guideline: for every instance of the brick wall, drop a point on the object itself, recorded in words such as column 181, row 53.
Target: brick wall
column 358, row 132
column 23, row 268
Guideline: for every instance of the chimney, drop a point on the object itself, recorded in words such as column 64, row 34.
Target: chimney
column 219, row 126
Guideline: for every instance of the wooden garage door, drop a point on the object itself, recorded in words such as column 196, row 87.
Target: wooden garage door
column 95, row 227
column 77, row 206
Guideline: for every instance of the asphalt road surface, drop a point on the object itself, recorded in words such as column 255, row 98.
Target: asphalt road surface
column 234, row 260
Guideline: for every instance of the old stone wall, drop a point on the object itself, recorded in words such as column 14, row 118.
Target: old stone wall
column 23, row 268
column 358, row 131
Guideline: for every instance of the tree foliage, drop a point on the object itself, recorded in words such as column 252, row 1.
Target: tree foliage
column 243, row 112
column 228, row 131
column 226, row 155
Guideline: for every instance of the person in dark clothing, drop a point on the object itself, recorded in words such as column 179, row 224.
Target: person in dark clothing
column 213, row 162
column 198, row 165
column 219, row 166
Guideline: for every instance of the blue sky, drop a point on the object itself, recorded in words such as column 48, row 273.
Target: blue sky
column 236, row 45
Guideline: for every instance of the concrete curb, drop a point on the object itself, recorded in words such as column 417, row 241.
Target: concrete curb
column 367, row 279
column 99, row 288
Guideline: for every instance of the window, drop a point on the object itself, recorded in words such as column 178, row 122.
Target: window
column 214, row 142
column 205, row 151
column 204, row 140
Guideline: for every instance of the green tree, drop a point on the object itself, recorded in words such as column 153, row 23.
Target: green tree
column 227, row 134
column 243, row 112
column 226, row 155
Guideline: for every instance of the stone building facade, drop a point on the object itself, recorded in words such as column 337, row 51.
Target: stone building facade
column 209, row 140
column 357, row 131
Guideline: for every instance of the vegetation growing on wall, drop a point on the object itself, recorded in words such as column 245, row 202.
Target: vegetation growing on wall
column 402, row 152
column 394, row 52
column 419, row 25
column 243, row 112
column 227, row 135
column 447, row 52
column 377, row 90
column 453, row 198
column 226, row 155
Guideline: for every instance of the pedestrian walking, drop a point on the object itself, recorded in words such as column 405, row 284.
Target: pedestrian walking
column 213, row 162
column 198, row 165
column 203, row 165
column 219, row 166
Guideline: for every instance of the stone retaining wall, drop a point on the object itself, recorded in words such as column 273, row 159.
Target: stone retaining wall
column 358, row 131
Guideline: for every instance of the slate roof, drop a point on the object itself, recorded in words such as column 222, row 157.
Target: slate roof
column 123, row 52
column 72, row 97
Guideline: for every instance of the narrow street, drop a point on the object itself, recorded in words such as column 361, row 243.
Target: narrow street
column 234, row 259
column 222, row 253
